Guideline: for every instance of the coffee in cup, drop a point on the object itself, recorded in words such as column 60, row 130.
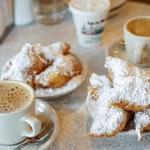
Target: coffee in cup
column 140, row 27
column 137, row 40
column 17, row 112
column 13, row 97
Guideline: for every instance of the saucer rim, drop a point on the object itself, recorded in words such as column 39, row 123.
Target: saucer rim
column 112, row 43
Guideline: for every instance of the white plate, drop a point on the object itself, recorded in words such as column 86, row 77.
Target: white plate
column 51, row 93
column 42, row 108
column 116, row 49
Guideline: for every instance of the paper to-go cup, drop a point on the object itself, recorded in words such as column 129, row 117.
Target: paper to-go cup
column 89, row 18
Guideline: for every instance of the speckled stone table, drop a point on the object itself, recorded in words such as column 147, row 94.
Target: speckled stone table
column 71, row 108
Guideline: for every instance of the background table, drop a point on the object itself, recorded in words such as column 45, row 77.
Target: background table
column 71, row 109
column 142, row 1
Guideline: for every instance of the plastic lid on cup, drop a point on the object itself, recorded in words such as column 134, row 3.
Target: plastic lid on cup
column 89, row 6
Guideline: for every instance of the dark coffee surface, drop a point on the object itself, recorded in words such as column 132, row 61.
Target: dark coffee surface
column 140, row 27
column 13, row 97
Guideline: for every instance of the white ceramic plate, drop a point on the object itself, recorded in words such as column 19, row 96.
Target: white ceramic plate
column 116, row 49
column 42, row 108
column 51, row 93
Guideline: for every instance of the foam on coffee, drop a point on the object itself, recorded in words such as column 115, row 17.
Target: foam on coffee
column 140, row 27
column 13, row 97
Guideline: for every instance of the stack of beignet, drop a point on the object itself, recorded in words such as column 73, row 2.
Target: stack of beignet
column 46, row 67
column 110, row 100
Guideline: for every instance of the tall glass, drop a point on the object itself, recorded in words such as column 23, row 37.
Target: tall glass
column 50, row 11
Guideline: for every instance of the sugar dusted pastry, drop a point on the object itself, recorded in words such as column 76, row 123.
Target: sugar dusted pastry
column 131, row 85
column 59, row 73
column 55, row 50
column 43, row 67
column 99, row 82
column 59, row 47
column 128, row 93
column 109, row 102
column 142, row 73
column 98, row 86
column 119, row 68
column 142, row 122
column 116, row 67
column 27, row 63
column 107, row 120
column 131, row 93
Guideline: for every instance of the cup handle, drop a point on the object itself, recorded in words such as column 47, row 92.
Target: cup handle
column 35, row 125
column 137, row 55
column 49, row 112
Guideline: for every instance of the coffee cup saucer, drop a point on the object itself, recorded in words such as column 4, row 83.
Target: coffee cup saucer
column 117, row 49
column 44, row 112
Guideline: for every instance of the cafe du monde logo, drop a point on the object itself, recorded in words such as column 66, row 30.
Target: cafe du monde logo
column 92, row 28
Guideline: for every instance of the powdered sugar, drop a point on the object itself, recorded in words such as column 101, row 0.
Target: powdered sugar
column 55, row 50
column 102, row 85
column 99, row 81
column 106, row 122
column 117, row 66
column 16, row 68
column 142, row 121
column 106, row 119
column 144, row 73
column 133, row 90
column 120, row 68
column 130, row 83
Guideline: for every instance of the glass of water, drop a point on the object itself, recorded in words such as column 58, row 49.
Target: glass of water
column 50, row 11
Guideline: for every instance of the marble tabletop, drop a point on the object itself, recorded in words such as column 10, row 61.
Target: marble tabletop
column 71, row 108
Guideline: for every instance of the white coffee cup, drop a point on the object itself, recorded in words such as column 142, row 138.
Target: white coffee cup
column 137, row 46
column 89, row 17
column 15, row 126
